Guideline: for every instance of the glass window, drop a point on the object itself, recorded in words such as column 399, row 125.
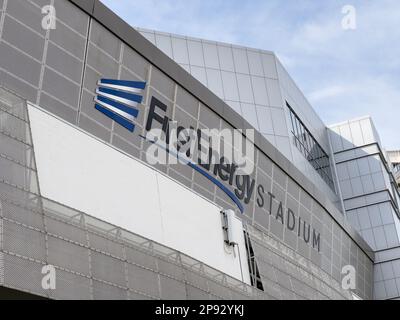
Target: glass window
column 309, row 147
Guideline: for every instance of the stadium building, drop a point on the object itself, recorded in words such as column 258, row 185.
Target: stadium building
column 82, row 201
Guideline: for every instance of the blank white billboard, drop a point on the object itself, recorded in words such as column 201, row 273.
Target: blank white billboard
column 84, row 173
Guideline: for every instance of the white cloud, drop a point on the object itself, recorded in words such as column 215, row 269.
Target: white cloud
column 346, row 73
column 377, row 97
column 325, row 93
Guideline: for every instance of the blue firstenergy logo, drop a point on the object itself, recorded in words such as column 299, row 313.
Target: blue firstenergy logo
column 118, row 100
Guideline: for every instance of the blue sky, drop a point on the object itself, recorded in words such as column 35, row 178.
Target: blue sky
column 343, row 73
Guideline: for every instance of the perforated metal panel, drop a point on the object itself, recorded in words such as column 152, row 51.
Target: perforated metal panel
column 285, row 275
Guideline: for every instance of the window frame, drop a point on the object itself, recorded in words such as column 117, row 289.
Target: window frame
column 310, row 148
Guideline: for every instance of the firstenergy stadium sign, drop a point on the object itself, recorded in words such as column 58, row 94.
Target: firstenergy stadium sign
column 215, row 154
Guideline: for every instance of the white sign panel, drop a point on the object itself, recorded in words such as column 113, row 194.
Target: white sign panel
column 84, row 173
